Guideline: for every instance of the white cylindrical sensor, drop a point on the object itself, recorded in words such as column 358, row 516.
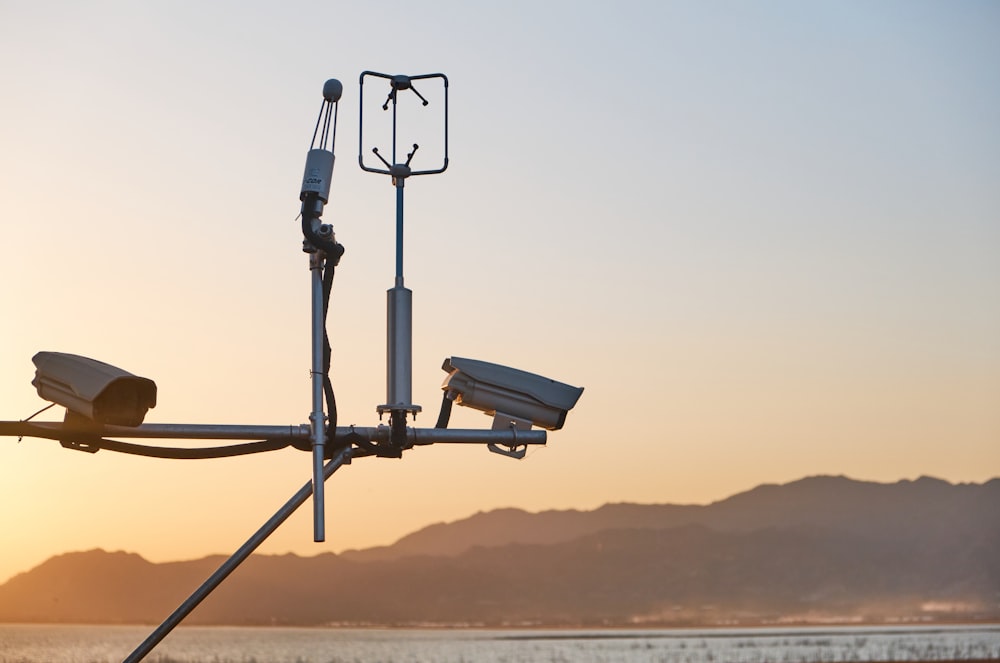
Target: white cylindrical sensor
column 399, row 348
column 318, row 173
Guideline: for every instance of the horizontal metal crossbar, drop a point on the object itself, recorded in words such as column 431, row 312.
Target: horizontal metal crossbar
column 380, row 434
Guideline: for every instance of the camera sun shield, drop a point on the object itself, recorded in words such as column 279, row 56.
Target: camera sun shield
column 98, row 391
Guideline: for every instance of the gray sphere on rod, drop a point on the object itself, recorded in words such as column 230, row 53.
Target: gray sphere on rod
column 332, row 90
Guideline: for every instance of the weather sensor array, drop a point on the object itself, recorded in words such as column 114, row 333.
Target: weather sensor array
column 104, row 402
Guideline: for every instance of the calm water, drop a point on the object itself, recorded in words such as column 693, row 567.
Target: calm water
column 106, row 644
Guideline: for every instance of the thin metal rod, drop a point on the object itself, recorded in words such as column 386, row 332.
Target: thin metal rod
column 318, row 417
column 55, row 430
column 234, row 561
column 394, row 96
column 510, row 437
column 399, row 231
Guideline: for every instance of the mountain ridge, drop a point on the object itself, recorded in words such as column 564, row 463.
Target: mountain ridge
column 552, row 526
column 878, row 551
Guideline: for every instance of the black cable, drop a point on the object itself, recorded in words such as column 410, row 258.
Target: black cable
column 397, row 435
column 190, row 454
column 445, row 414
column 333, row 252
column 331, row 399
column 92, row 444
column 50, row 405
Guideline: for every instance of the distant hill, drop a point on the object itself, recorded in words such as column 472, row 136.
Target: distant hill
column 906, row 509
column 816, row 549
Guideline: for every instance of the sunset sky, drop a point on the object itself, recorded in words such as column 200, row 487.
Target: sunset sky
column 765, row 237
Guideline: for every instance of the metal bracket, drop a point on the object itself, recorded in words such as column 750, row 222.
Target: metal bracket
column 506, row 422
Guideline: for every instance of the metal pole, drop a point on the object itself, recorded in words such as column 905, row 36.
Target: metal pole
column 317, row 418
column 234, row 561
column 399, row 352
column 399, row 328
column 55, row 430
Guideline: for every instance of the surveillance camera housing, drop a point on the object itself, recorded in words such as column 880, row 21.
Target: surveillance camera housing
column 100, row 392
column 500, row 390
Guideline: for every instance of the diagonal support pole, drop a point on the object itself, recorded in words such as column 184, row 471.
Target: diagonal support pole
column 234, row 561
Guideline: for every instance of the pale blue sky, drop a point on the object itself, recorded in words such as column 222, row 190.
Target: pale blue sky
column 764, row 236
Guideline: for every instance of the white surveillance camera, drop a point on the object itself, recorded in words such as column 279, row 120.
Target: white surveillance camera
column 511, row 395
column 100, row 392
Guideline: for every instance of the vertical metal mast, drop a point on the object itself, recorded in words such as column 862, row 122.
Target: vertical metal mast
column 399, row 319
column 324, row 254
column 399, row 304
column 317, row 418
